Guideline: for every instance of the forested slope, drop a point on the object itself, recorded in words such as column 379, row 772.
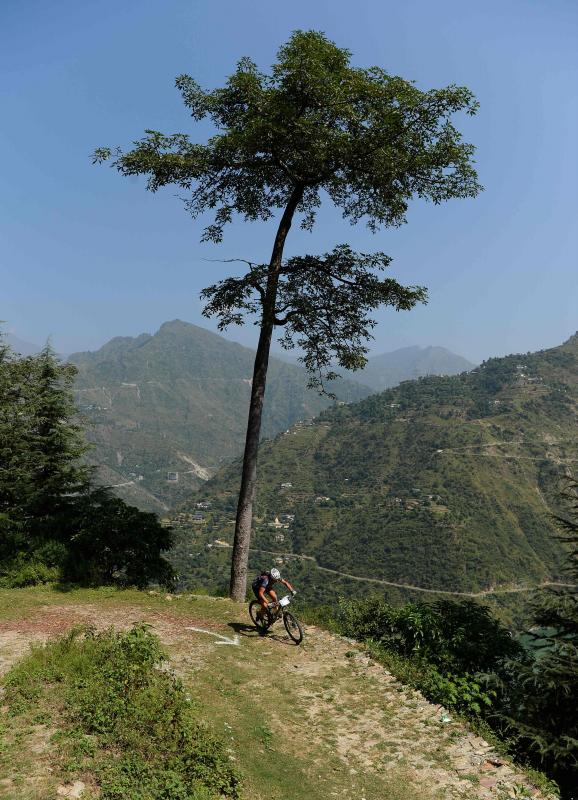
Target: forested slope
column 444, row 483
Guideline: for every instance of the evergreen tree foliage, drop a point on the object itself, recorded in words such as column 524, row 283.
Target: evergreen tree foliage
column 541, row 695
column 53, row 523
column 55, row 439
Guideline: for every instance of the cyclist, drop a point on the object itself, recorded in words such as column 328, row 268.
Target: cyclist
column 263, row 584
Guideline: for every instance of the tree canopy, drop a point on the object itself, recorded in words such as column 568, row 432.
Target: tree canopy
column 323, row 304
column 370, row 140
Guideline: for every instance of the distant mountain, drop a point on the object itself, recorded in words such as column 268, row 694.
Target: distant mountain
column 442, row 482
column 166, row 410
column 20, row 346
column 407, row 363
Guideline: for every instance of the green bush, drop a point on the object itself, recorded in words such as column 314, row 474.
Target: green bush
column 28, row 573
column 444, row 649
column 126, row 721
column 464, row 693
column 457, row 638
column 113, row 542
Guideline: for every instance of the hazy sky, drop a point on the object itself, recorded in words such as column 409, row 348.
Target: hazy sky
column 86, row 254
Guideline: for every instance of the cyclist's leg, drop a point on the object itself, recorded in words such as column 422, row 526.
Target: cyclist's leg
column 273, row 595
column 262, row 599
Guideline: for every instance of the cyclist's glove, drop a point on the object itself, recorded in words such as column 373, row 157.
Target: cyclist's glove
column 293, row 592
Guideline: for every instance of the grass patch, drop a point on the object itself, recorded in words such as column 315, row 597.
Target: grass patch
column 125, row 723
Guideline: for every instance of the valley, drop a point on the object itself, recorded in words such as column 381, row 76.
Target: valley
column 164, row 412
column 441, row 484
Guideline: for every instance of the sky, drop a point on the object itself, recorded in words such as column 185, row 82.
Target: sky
column 86, row 254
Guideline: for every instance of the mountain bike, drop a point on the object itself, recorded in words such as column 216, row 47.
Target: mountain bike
column 263, row 620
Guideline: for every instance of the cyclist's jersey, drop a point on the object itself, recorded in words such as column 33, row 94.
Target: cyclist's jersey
column 264, row 580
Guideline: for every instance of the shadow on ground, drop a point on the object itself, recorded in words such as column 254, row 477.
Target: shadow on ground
column 253, row 633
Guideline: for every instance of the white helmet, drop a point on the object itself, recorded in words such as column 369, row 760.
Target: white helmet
column 275, row 574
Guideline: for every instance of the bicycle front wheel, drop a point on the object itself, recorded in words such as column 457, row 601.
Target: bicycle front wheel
column 261, row 619
column 293, row 627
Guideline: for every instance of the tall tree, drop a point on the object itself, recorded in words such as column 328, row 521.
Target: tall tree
column 314, row 126
column 9, row 443
column 56, row 440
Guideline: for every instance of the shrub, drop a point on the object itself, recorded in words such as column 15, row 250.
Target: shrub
column 457, row 638
column 465, row 692
column 113, row 542
column 126, row 721
column 28, row 570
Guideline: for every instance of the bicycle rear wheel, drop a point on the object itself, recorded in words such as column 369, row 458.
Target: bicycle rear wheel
column 293, row 627
column 261, row 619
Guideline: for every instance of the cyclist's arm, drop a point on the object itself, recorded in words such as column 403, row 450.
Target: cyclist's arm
column 287, row 584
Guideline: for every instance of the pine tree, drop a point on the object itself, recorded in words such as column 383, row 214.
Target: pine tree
column 542, row 700
column 55, row 440
column 15, row 387
column 53, row 522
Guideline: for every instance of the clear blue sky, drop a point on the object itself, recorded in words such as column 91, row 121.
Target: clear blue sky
column 86, row 255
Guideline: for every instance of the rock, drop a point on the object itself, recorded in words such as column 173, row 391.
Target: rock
column 463, row 764
column 477, row 743
column 488, row 783
column 503, row 773
column 73, row 790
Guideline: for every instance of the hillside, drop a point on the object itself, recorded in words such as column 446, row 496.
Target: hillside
column 407, row 363
column 441, row 483
column 165, row 411
column 307, row 723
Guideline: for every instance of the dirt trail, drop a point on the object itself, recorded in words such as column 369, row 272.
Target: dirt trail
column 353, row 728
column 482, row 593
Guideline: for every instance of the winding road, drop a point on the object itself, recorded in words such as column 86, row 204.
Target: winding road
column 482, row 593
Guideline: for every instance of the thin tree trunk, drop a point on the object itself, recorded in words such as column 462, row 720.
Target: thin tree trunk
column 240, row 558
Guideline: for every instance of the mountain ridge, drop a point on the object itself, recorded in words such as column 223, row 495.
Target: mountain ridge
column 333, row 695
column 166, row 409
column 386, row 370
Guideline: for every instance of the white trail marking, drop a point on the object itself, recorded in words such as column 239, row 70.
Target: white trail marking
column 224, row 639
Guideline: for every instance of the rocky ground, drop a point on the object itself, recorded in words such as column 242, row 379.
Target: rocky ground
column 319, row 720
